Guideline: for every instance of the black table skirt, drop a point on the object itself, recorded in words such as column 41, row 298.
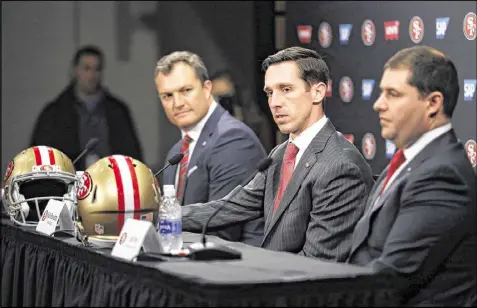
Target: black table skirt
column 42, row 271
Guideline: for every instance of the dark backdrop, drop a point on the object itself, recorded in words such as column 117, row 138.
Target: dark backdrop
column 358, row 61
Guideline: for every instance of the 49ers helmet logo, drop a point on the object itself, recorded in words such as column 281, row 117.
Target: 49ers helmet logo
column 85, row 186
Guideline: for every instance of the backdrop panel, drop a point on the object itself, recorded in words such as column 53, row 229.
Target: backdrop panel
column 356, row 39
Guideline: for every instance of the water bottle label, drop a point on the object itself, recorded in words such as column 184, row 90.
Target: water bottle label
column 170, row 226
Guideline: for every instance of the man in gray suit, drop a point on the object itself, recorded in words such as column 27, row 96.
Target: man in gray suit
column 220, row 151
column 315, row 190
column 421, row 215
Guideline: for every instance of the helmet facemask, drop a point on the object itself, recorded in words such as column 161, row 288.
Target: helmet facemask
column 29, row 193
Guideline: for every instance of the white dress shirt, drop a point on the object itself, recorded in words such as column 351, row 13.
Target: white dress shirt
column 194, row 133
column 303, row 140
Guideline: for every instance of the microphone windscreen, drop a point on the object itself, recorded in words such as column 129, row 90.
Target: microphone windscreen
column 175, row 159
column 264, row 164
column 91, row 143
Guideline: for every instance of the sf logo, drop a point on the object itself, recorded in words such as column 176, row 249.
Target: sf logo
column 471, row 150
column 84, row 186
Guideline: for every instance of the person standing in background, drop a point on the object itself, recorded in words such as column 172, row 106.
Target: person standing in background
column 85, row 109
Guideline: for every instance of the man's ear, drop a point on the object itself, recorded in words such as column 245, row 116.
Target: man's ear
column 435, row 103
column 207, row 86
column 318, row 92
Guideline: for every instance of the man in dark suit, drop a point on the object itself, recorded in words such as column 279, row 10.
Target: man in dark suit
column 315, row 190
column 85, row 110
column 220, row 151
column 420, row 217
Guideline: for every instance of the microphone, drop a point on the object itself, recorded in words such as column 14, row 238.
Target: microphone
column 89, row 146
column 174, row 160
column 202, row 252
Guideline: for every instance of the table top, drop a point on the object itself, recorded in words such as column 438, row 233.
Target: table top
column 258, row 265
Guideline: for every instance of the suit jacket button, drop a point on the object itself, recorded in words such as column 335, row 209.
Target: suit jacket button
column 307, row 165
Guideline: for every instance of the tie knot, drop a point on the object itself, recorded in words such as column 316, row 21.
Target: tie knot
column 187, row 139
column 398, row 158
column 291, row 151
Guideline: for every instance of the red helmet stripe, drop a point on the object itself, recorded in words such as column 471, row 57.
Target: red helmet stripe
column 52, row 156
column 120, row 188
column 135, row 185
column 36, row 150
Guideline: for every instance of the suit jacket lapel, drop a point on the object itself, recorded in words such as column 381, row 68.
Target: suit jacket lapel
column 273, row 173
column 204, row 137
column 306, row 163
column 427, row 152
column 363, row 226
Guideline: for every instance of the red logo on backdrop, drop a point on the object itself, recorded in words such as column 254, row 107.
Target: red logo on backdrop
column 368, row 32
column 346, row 89
column 349, row 137
column 368, row 146
column 328, row 88
column 391, row 30
column 304, row 33
column 470, row 26
column 471, row 150
column 9, row 171
column 416, row 29
column 84, row 187
column 324, row 35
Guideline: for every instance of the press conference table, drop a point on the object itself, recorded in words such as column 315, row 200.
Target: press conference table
column 49, row 271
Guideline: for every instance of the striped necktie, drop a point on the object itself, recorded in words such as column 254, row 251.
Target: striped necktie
column 183, row 166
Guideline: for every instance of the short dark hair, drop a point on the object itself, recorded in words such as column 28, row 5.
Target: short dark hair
column 312, row 68
column 431, row 71
column 89, row 50
column 167, row 62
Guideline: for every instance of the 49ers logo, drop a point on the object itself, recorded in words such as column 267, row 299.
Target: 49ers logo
column 46, row 168
column 471, row 150
column 85, row 185
column 9, row 171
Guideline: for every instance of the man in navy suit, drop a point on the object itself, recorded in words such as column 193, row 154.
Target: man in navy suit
column 420, row 218
column 220, row 151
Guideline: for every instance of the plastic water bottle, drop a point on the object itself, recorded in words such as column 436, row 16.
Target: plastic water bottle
column 170, row 221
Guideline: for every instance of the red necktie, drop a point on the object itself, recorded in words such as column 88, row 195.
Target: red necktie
column 397, row 160
column 287, row 171
column 183, row 166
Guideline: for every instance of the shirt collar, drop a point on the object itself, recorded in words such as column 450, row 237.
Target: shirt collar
column 425, row 139
column 304, row 138
column 195, row 131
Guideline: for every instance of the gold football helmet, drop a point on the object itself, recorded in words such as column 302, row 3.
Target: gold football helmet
column 112, row 190
column 35, row 176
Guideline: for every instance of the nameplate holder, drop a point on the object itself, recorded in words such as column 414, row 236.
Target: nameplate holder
column 55, row 211
column 136, row 234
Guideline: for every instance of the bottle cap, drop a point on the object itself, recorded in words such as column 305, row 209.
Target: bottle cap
column 169, row 191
